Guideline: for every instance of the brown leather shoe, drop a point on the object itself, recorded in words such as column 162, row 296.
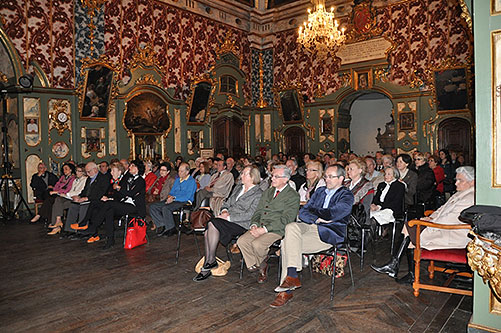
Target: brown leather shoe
column 289, row 283
column 281, row 299
column 263, row 273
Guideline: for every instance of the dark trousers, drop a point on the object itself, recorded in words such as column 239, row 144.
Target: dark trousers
column 413, row 232
column 46, row 209
column 107, row 214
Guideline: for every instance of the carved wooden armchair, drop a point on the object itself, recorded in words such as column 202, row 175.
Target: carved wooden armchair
column 457, row 256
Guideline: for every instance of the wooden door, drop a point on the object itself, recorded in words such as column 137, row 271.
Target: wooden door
column 229, row 136
column 455, row 134
column 294, row 141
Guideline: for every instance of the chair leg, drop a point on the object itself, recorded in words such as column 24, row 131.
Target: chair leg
column 362, row 247
column 333, row 277
column 310, row 267
column 196, row 242
column 242, row 263
column 279, row 268
column 349, row 264
column 178, row 244
column 228, row 253
column 393, row 237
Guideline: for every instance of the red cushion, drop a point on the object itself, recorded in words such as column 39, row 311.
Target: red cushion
column 450, row 255
column 38, row 200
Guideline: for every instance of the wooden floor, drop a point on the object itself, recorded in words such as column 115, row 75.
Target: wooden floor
column 49, row 284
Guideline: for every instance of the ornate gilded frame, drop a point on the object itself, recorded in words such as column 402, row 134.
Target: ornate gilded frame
column 204, row 78
column 448, row 66
column 29, row 103
column 359, row 75
column 495, row 7
column 279, row 90
column 89, row 65
column 496, row 107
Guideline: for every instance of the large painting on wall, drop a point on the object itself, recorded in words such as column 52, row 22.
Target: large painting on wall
column 199, row 103
column 96, row 96
column 451, row 89
column 147, row 114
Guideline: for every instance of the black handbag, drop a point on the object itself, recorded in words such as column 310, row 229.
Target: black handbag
column 483, row 218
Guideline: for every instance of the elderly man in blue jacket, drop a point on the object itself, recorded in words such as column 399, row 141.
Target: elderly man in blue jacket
column 323, row 225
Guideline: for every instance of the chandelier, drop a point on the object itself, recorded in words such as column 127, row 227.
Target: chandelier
column 321, row 33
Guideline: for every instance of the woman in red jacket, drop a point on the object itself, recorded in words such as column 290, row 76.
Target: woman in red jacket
column 439, row 172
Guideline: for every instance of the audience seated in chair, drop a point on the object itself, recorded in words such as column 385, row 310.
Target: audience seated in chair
column 322, row 219
column 388, row 200
column 218, row 189
column 95, row 187
column 160, row 189
column 129, row 199
column 432, row 239
column 182, row 192
column 314, row 180
column 62, row 186
column 278, row 206
column 63, row 201
column 356, row 181
column 41, row 183
column 234, row 220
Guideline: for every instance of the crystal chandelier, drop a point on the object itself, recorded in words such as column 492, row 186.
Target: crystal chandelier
column 321, row 34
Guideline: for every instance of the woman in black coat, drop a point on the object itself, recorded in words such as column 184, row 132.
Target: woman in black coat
column 426, row 179
column 42, row 182
column 389, row 195
column 129, row 199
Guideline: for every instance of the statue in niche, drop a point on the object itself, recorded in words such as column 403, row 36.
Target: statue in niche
column 387, row 140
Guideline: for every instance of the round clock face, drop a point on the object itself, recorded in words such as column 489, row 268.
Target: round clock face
column 62, row 117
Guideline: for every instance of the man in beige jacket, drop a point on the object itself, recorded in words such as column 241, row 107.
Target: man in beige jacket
column 433, row 238
column 219, row 187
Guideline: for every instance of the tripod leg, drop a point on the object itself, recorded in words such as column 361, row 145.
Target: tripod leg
column 22, row 199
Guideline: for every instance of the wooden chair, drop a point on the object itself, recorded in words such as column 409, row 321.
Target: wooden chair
column 457, row 256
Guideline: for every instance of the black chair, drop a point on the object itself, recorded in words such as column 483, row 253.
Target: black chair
column 180, row 213
column 363, row 229
column 332, row 252
column 272, row 253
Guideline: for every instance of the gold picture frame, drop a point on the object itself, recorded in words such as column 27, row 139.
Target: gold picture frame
column 362, row 80
column 495, row 7
column 290, row 103
column 201, row 99
column 98, row 89
column 31, row 110
column 496, row 107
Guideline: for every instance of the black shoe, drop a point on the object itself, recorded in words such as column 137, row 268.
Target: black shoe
column 160, row 230
column 202, row 275
column 407, row 279
column 167, row 232
column 390, row 268
column 208, row 267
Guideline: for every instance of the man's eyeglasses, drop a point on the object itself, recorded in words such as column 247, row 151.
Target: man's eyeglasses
column 331, row 176
column 311, row 169
column 273, row 176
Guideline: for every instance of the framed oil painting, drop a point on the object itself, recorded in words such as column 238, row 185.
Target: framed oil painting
column 147, row 113
column 60, row 149
column 362, row 80
column 290, row 104
column 97, row 90
column 31, row 108
column 92, row 140
column 199, row 102
column 451, row 89
column 406, row 121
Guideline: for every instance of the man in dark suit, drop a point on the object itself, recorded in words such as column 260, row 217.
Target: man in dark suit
column 95, row 187
column 323, row 225
column 277, row 207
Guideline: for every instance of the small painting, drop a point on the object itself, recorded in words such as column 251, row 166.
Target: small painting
column 31, row 125
column 291, row 106
column 147, row 114
column 206, row 153
column 495, row 7
column 451, row 89
column 97, row 93
column 363, row 80
column 406, row 121
column 199, row 102
column 326, row 125
column 60, row 149
column 92, row 140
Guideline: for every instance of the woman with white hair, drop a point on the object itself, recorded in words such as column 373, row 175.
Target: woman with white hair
column 433, row 238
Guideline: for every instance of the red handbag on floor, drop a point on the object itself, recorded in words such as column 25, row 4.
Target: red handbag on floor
column 135, row 234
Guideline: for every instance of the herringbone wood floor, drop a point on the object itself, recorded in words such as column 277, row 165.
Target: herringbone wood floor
column 52, row 285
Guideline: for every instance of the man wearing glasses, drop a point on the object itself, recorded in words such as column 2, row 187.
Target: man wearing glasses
column 323, row 225
column 277, row 207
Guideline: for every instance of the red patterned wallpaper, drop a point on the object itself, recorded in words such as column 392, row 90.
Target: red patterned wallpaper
column 185, row 43
column 424, row 31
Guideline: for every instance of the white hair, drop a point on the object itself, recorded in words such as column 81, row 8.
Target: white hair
column 467, row 171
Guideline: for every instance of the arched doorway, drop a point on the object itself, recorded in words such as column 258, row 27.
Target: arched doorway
column 368, row 116
column 229, row 136
column 294, row 139
column 455, row 134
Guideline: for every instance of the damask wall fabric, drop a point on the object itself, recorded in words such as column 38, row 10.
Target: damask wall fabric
column 425, row 32
column 185, row 43
column 55, row 34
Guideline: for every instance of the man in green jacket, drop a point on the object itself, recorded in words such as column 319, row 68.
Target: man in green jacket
column 278, row 206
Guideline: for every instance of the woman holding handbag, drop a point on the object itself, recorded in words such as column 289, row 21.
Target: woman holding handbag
column 129, row 198
column 234, row 219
